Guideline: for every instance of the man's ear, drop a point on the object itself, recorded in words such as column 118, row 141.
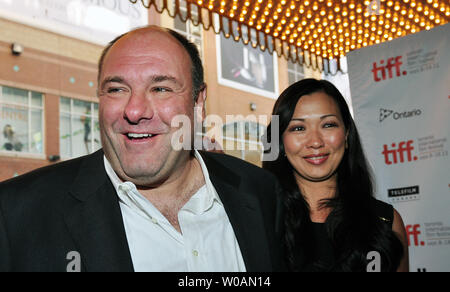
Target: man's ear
column 201, row 101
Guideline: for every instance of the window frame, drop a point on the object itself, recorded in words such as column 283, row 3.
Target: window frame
column 29, row 108
column 72, row 114
column 297, row 74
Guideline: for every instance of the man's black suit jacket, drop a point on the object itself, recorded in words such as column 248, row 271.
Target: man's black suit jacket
column 72, row 206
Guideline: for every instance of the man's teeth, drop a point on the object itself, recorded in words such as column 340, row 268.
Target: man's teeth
column 139, row 136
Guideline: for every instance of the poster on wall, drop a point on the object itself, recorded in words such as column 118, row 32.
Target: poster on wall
column 94, row 21
column 401, row 99
column 246, row 68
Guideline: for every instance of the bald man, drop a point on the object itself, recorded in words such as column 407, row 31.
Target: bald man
column 141, row 204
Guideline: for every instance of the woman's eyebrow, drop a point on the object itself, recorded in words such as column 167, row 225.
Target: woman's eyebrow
column 322, row 118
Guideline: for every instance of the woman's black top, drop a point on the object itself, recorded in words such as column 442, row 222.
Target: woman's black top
column 323, row 257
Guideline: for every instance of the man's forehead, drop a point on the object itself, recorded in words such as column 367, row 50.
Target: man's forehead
column 149, row 37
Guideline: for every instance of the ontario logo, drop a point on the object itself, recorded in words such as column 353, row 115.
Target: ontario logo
column 386, row 69
column 386, row 113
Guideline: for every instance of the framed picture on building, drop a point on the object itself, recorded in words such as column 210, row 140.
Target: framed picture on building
column 246, row 68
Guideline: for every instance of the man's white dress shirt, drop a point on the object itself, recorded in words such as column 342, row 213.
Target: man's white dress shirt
column 207, row 242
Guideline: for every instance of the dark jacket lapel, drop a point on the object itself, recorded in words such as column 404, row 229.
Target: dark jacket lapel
column 244, row 214
column 94, row 219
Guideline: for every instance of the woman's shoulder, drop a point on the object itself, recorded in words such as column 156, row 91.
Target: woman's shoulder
column 384, row 211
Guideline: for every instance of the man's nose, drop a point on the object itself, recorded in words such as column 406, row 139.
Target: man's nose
column 139, row 107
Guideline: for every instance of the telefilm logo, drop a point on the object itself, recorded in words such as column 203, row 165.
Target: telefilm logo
column 404, row 194
column 401, row 152
column 386, row 113
column 390, row 68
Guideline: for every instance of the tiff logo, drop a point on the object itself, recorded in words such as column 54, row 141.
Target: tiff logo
column 387, row 70
column 414, row 232
column 397, row 153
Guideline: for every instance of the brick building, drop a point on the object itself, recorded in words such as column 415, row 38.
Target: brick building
column 48, row 80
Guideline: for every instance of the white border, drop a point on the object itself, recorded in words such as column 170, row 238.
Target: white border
column 243, row 87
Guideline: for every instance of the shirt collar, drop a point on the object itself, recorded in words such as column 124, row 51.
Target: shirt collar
column 201, row 202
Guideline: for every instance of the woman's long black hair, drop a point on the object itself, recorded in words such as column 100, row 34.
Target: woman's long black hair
column 353, row 227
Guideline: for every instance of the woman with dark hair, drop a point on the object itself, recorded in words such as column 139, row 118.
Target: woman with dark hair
column 333, row 222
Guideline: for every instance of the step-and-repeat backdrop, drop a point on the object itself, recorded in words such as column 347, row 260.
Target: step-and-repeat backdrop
column 401, row 100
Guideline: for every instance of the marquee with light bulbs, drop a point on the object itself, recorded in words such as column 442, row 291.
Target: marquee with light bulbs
column 311, row 32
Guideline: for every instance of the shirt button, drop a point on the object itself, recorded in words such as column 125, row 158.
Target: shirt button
column 154, row 221
column 195, row 253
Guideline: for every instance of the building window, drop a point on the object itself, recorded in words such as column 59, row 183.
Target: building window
column 188, row 29
column 21, row 121
column 79, row 128
column 243, row 140
column 296, row 72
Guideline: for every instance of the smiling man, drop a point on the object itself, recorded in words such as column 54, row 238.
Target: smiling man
column 139, row 204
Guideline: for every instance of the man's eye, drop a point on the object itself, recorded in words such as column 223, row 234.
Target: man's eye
column 161, row 89
column 113, row 90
